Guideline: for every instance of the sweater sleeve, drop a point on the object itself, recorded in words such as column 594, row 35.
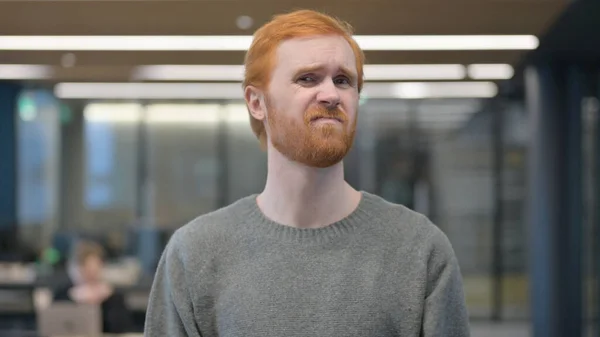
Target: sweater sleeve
column 445, row 312
column 170, row 311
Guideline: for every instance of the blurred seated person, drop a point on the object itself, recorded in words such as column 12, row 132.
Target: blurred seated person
column 86, row 286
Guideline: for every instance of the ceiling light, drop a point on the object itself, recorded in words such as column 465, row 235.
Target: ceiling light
column 189, row 73
column 233, row 91
column 112, row 113
column 448, row 42
column 242, row 42
column 490, row 71
column 373, row 72
column 237, row 113
column 149, row 90
column 125, row 43
column 398, row 72
column 182, row 113
column 25, row 72
column 422, row 90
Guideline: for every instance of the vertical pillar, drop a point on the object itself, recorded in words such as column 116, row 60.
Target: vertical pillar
column 498, row 167
column 571, row 230
column 553, row 97
column 223, row 136
column 144, row 191
column 72, row 180
column 8, row 162
column 596, row 218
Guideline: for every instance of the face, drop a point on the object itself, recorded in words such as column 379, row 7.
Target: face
column 312, row 101
column 91, row 269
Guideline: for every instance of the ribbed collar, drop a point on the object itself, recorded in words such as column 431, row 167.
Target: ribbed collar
column 359, row 218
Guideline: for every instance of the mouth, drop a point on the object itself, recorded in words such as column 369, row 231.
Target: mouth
column 326, row 119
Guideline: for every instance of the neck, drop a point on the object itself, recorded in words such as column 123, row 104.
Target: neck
column 306, row 197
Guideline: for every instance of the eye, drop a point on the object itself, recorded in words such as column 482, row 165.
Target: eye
column 343, row 81
column 307, row 79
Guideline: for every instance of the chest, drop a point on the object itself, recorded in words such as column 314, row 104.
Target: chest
column 338, row 293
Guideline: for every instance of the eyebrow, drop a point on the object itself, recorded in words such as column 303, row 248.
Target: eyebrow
column 311, row 69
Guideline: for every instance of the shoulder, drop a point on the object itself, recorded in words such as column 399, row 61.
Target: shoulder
column 405, row 225
column 209, row 232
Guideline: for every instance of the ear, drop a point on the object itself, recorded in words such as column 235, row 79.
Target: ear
column 255, row 101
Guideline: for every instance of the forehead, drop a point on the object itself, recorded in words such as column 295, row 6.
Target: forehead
column 92, row 259
column 328, row 51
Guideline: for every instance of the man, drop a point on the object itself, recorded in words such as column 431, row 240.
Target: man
column 309, row 256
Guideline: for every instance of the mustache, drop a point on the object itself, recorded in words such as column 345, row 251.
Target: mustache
column 323, row 112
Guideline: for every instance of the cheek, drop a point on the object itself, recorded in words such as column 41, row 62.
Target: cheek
column 292, row 116
column 351, row 105
column 93, row 269
column 291, row 110
column 86, row 271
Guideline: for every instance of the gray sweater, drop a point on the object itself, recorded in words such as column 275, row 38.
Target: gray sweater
column 383, row 271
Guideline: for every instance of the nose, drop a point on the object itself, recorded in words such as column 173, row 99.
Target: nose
column 328, row 94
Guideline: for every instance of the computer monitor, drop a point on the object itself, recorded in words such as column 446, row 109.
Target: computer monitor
column 70, row 319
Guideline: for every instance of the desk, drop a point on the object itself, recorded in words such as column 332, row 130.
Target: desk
column 18, row 311
column 18, row 298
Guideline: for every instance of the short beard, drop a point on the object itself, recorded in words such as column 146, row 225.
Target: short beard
column 313, row 145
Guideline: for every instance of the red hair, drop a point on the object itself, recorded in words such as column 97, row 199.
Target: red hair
column 261, row 57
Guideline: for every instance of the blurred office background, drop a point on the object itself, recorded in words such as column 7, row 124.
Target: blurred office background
column 485, row 119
